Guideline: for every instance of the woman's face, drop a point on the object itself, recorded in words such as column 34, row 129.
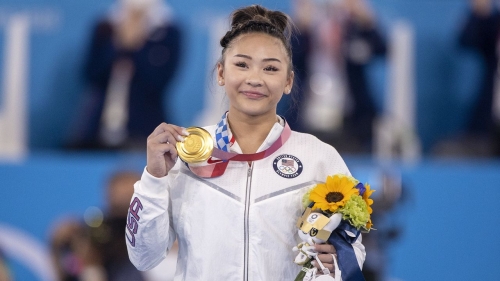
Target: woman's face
column 255, row 74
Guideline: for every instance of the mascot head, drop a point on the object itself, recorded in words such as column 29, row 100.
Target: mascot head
column 316, row 226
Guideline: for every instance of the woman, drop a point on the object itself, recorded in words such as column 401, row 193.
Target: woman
column 235, row 219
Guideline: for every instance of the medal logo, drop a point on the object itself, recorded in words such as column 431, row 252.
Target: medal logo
column 287, row 166
column 197, row 147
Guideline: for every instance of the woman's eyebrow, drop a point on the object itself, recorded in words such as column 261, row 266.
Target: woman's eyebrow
column 272, row 59
column 249, row 57
column 243, row 56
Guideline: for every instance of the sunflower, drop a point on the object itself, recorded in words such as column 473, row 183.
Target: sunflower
column 366, row 197
column 334, row 193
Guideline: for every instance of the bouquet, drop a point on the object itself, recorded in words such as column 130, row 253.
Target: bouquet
column 340, row 204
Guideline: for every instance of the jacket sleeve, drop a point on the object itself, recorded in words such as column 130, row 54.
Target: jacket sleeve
column 480, row 32
column 100, row 55
column 149, row 232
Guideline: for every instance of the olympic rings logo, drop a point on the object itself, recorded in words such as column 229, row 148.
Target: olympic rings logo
column 287, row 166
column 287, row 169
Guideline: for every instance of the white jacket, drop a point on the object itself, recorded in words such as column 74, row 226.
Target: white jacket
column 239, row 226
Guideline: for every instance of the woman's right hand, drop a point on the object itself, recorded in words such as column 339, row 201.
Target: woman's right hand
column 161, row 151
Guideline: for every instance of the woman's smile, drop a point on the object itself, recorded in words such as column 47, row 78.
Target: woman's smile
column 254, row 95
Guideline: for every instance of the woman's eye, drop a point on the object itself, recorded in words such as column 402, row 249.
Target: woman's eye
column 271, row 68
column 240, row 64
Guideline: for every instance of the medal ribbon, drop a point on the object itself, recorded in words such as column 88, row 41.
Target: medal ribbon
column 215, row 170
column 222, row 134
column 347, row 261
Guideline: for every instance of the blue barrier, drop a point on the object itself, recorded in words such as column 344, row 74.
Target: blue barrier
column 448, row 217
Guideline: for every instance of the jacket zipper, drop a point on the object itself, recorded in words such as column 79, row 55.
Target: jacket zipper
column 246, row 221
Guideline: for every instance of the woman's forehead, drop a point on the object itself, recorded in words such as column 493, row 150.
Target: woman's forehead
column 259, row 44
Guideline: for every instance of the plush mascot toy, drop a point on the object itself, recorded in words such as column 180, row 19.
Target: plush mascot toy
column 315, row 228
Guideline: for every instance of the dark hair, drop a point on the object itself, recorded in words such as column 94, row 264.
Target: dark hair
column 256, row 18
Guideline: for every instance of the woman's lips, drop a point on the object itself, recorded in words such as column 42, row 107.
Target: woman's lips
column 253, row 94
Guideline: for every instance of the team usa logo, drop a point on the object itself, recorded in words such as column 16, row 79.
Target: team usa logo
column 287, row 166
column 133, row 219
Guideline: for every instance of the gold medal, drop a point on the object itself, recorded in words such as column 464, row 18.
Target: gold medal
column 197, row 147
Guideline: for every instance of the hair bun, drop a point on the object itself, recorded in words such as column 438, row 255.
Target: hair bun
column 257, row 13
column 256, row 18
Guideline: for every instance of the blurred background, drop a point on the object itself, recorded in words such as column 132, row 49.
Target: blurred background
column 407, row 91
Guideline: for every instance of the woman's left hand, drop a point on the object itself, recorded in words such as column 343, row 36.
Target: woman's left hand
column 325, row 252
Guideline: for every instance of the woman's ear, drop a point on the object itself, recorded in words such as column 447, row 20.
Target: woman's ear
column 289, row 83
column 220, row 74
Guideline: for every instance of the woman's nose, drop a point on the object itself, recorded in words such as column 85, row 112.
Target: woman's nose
column 254, row 79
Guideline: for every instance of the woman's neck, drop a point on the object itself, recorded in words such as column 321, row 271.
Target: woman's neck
column 250, row 131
